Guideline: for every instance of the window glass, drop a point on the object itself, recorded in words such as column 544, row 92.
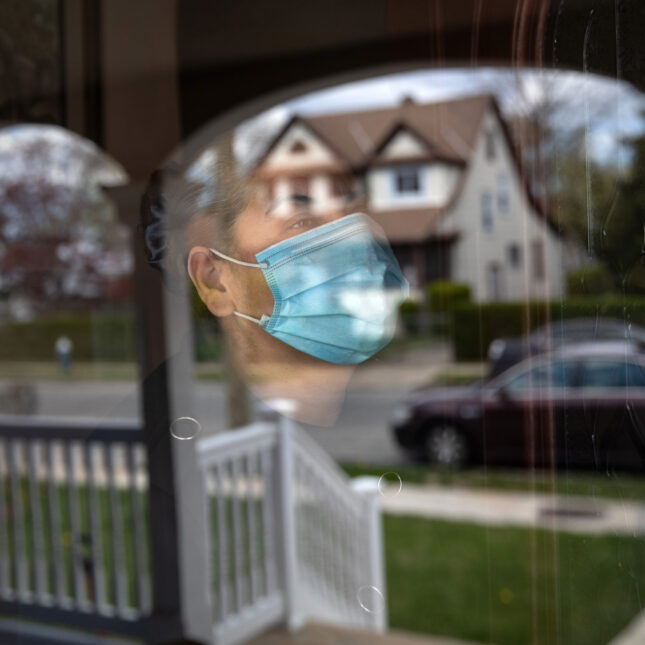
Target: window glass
column 635, row 375
column 487, row 213
column 537, row 248
column 557, row 374
column 406, row 180
column 503, row 194
column 612, row 374
column 204, row 287
column 514, row 252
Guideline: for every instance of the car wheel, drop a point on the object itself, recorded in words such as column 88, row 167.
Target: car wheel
column 446, row 446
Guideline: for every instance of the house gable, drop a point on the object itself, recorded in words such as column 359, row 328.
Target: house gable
column 404, row 145
column 299, row 149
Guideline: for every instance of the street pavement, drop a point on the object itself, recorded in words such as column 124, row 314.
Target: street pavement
column 360, row 434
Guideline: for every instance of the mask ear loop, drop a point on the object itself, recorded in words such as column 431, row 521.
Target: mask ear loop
column 261, row 265
column 247, row 317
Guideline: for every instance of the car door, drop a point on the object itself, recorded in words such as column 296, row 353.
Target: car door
column 607, row 424
column 524, row 411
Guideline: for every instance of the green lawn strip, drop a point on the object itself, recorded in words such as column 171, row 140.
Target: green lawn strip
column 90, row 371
column 85, row 371
column 455, row 378
column 620, row 486
column 510, row 586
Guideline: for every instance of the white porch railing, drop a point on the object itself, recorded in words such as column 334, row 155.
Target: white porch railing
column 291, row 540
column 73, row 528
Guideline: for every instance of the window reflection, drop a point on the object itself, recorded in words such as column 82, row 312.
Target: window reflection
column 66, row 270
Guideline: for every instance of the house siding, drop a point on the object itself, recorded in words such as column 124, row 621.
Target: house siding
column 437, row 184
column 476, row 251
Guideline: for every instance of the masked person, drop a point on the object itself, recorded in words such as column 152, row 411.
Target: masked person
column 302, row 296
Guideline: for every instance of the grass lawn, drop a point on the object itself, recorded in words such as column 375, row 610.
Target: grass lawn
column 491, row 585
column 511, row 586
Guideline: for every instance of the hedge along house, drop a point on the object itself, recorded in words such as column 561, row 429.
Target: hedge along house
column 443, row 181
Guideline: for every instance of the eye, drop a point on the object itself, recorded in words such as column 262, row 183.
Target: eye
column 303, row 222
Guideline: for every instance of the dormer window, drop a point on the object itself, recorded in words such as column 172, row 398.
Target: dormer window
column 406, row 181
column 298, row 147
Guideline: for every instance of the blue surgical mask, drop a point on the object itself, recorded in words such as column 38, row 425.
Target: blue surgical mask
column 336, row 290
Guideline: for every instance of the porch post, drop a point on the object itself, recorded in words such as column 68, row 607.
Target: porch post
column 140, row 129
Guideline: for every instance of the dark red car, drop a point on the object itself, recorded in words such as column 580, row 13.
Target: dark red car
column 581, row 406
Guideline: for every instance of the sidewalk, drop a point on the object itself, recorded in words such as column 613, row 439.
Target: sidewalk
column 406, row 370
column 499, row 508
column 325, row 635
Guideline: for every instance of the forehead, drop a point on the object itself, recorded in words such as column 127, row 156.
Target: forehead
column 263, row 222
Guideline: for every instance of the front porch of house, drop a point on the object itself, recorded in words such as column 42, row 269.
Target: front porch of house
column 425, row 261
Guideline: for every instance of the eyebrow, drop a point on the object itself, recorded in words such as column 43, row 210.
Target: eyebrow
column 294, row 197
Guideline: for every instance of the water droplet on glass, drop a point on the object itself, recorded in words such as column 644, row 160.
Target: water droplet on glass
column 371, row 599
column 390, row 484
column 185, row 428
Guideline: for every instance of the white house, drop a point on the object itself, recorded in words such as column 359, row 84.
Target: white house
column 443, row 181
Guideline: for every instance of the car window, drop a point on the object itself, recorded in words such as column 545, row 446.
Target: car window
column 613, row 374
column 555, row 374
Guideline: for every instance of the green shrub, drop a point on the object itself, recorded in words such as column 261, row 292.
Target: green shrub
column 444, row 296
column 592, row 280
column 475, row 326
column 409, row 311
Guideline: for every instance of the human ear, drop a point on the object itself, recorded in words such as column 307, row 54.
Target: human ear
column 210, row 278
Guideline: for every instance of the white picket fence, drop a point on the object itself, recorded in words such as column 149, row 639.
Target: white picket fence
column 291, row 538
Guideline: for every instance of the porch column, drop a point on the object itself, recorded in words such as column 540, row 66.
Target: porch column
column 140, row 130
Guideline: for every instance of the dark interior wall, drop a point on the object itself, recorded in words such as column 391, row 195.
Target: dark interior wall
column 230, row 52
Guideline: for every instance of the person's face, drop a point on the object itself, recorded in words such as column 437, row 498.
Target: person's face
column 260, row 225
column 276, row 369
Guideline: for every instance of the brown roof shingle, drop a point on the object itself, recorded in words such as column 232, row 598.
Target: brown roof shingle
column 448, row 127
